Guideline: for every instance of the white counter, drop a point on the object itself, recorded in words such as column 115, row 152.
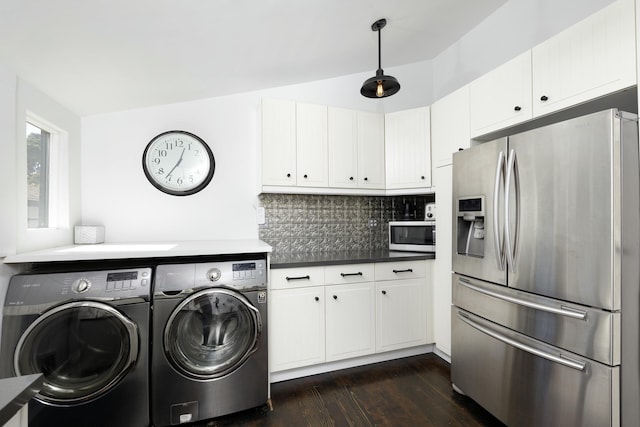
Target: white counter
column 128, row 250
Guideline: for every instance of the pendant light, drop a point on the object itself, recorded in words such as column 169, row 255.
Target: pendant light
column 379, row 86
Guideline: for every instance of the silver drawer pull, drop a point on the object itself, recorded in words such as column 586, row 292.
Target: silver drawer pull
column 561, row 359
column 563, row 311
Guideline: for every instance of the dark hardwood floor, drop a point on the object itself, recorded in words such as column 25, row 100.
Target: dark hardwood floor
column 414, row 391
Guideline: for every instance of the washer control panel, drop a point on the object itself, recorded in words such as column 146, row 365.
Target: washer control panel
column 41, row 288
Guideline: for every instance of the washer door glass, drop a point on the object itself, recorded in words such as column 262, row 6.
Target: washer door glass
column 211, row 333
column 82, row 348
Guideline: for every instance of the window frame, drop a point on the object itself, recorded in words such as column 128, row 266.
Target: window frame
column 58, row 198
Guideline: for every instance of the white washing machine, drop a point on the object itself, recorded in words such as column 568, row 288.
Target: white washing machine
column 88, row 333
column 209, row 345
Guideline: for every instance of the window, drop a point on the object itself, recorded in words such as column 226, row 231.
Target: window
column 39, row 149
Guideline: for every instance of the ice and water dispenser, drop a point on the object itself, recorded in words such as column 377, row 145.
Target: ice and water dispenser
column 471, row 226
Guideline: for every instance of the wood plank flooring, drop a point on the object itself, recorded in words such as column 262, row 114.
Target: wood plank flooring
column 414, row 391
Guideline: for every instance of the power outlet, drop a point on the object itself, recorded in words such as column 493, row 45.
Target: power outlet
column 373, row 222
column 260, row 216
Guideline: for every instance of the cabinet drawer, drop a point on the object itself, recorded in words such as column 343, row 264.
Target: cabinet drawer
column 297, row 277
column 349, row 273
column 400, row 270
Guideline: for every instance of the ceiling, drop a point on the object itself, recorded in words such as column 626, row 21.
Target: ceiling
column 99, row 56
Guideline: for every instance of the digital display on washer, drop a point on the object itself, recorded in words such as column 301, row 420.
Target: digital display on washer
column 120, row 276
column 244, row 266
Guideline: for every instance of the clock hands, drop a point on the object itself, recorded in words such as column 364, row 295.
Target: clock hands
column 179, row 161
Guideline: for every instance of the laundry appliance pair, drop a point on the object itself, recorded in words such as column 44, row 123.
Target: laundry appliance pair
column 115, row 350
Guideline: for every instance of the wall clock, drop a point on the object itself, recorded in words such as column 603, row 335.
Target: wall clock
column 178, row 163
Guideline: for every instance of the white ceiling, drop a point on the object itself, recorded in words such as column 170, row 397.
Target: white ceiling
column 96, row 56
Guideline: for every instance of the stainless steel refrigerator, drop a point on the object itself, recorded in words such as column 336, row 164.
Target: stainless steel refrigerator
column 546, row 254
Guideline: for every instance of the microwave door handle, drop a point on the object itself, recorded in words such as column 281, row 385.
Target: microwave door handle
column 507, row 208
column 496, row 212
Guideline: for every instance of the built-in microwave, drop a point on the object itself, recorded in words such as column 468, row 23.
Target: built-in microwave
column 413, row 236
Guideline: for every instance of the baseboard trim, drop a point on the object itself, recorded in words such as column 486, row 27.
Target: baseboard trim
column 352, row 363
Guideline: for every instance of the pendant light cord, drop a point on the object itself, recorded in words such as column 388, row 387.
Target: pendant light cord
column 379, row 49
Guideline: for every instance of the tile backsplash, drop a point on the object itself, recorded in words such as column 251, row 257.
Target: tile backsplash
column 300, row 223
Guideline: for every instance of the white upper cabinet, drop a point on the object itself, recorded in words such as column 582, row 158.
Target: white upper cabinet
column 370, row 150
column 449, row 126
column 343, row 148
column 356, row 149
column 408, row 149
column 313, row 148
column 502, row 97
column 311, row 145
column 278, row 142
column 590, row 59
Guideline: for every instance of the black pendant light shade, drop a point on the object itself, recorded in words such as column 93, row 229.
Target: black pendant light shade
column 379, row 86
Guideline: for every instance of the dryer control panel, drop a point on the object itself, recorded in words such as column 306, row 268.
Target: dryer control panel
column 235, row 274
column 241, row 274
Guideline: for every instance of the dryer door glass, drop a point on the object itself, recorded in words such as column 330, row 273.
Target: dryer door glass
column 82, row 348
column 211, row 333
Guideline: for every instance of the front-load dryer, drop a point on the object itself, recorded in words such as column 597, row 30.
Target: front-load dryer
column 209, row 346
column 87, row 333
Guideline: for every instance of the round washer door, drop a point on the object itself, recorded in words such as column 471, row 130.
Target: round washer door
column 82, row 348
column 211, row 333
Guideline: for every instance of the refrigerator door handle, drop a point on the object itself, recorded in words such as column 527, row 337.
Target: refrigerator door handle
column 568, row 312
column 511, row 177
column 560, row 359
column 496, row 210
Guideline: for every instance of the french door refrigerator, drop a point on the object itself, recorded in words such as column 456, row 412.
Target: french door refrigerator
column 546, row 237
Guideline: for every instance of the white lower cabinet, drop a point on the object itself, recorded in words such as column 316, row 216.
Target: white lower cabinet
column 331, row 313
column 402, row 305
column 296, row 327
column 401, row 314
column 350, row 320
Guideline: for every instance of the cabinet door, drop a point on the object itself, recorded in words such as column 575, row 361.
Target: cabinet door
column 350, row 320
column 449, row 126
column 401, row 319
column 408, row 149
column 296, row 328
column 278, row 142
column 502, row 97
column 370, row 150
column 343, row 148
column 311, row 147
column 592, row 58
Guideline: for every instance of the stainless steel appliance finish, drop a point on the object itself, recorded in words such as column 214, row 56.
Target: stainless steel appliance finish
column 412, row 236
column 87, row 332
column 209, row 347
column 546, row 287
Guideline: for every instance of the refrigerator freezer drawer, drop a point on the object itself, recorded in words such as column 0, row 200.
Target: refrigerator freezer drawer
column 588, row 331
column 524, row 382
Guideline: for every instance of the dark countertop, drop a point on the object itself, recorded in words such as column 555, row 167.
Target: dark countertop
column 16, row 392
column 337, row 258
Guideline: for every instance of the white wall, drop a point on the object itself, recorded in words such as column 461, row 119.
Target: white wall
column 7, row 161
column 116, row 193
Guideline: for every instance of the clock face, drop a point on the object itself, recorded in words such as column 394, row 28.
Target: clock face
column 178, row 163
